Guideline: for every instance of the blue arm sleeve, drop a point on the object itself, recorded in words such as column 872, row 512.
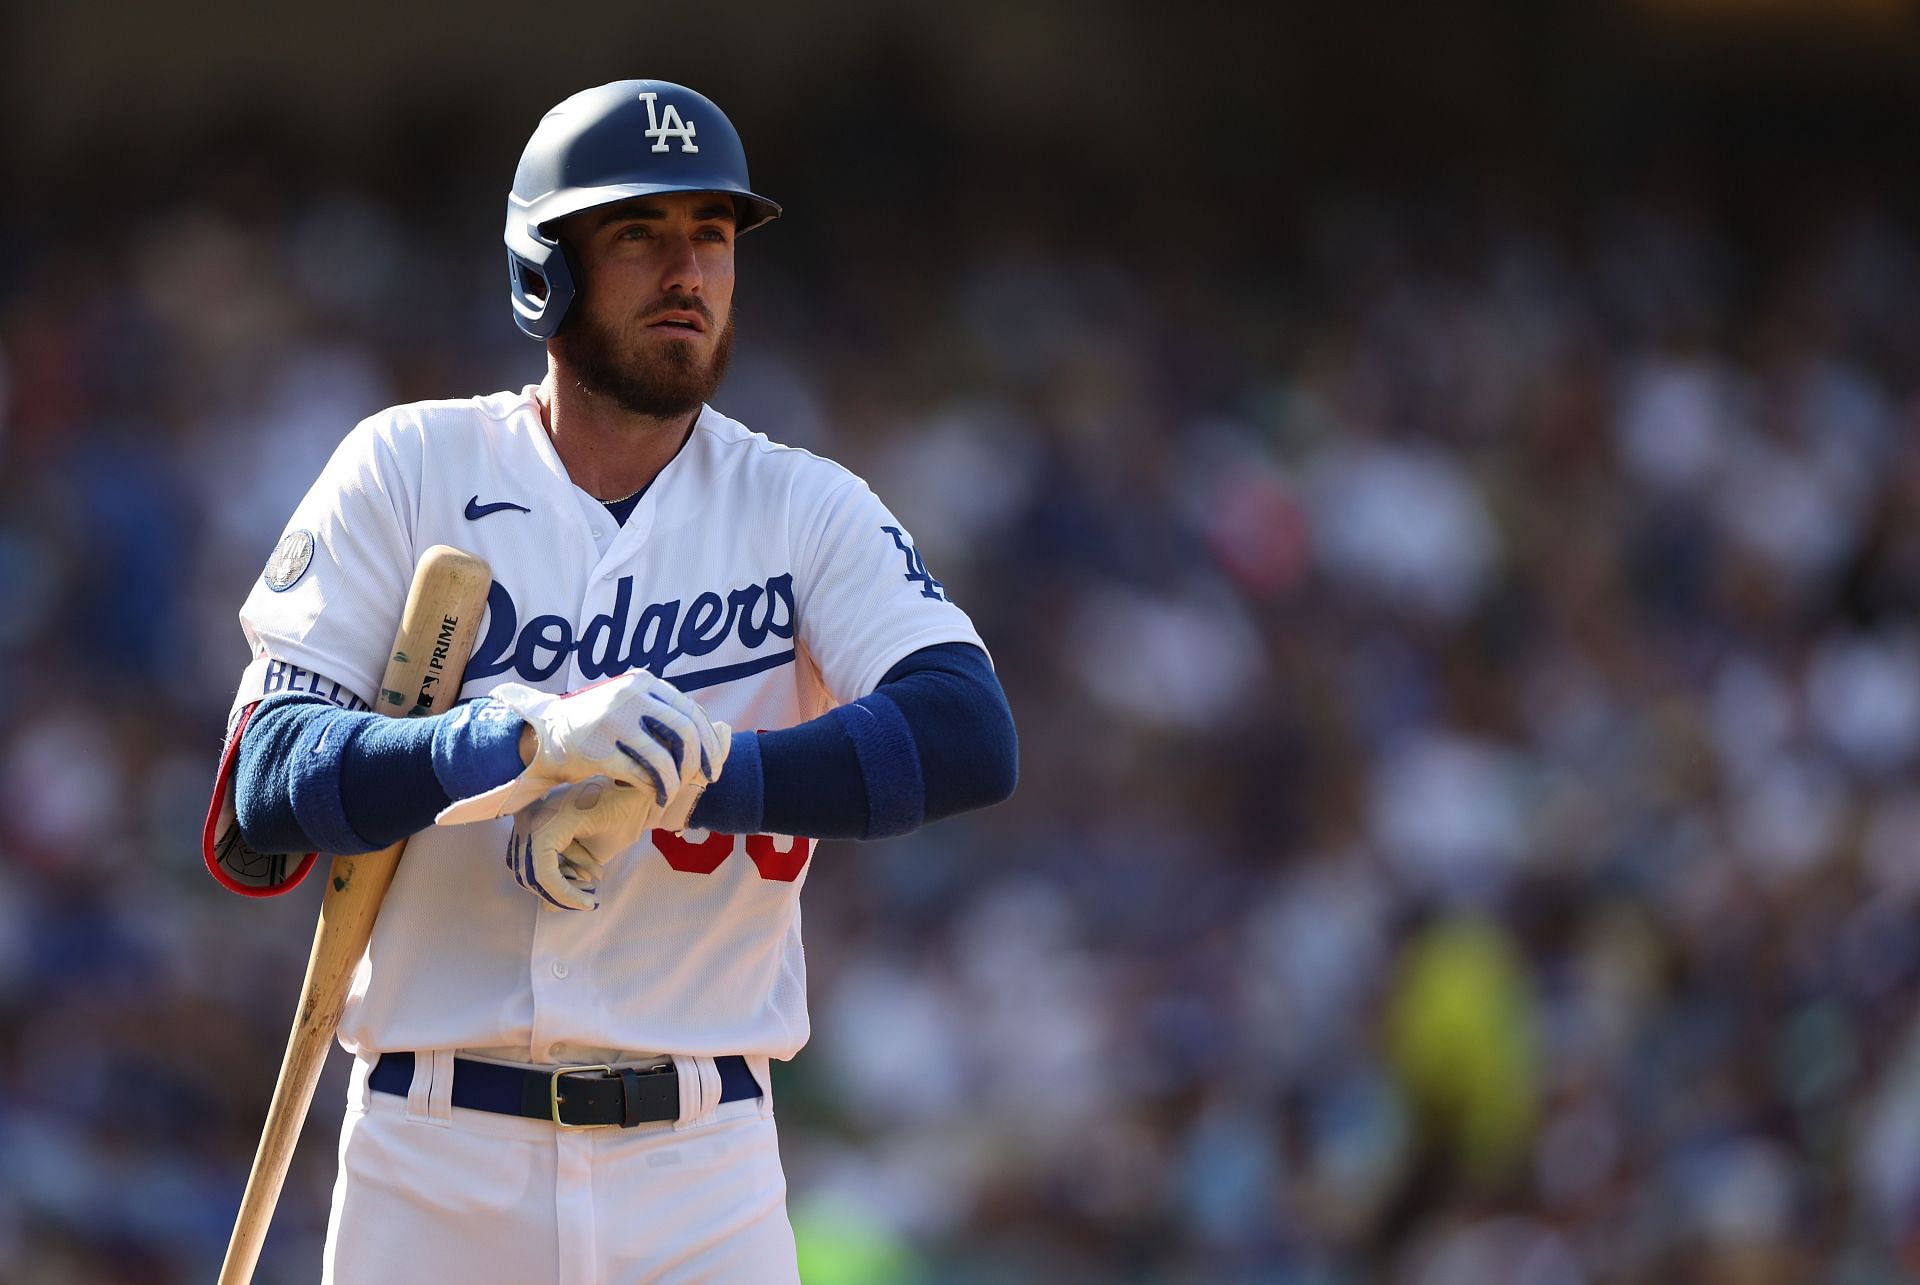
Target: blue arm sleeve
column 310, row 776
column 934, row 739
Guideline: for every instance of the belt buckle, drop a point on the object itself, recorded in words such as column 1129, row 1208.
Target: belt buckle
column 553, row 1094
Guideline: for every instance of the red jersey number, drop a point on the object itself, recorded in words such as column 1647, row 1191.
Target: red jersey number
column 703, row 858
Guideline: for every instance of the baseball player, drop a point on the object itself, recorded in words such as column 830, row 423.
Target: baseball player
column 702, row 651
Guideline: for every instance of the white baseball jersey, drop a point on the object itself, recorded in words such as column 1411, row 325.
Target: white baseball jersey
column 768, row 583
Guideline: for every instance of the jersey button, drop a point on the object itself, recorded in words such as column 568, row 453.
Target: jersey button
column 560, row 968
column 596, row 533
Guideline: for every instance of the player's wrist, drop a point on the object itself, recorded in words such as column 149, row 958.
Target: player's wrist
column 734, row 801
column 477, row 747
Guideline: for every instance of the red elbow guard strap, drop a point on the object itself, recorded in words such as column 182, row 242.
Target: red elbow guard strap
column 238, row 867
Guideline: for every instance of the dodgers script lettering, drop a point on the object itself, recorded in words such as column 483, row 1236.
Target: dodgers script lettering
column 754, row 616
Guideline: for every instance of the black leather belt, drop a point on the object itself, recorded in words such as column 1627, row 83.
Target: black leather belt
column 573, row 1097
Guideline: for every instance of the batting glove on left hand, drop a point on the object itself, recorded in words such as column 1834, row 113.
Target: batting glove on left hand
column 561, row 843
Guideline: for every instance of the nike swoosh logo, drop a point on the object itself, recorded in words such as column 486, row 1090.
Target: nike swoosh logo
column 477, row 510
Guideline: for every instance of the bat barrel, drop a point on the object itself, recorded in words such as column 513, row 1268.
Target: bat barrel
column 292, row 1094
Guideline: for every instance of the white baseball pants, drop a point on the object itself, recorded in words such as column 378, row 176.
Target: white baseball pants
column 429, row 1193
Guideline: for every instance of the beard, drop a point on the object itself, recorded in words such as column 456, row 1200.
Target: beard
column 660, row 380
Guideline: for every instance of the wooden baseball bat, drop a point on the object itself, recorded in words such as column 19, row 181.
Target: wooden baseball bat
column 437, row 630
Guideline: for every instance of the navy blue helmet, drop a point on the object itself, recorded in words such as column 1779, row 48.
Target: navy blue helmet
column 629, row 138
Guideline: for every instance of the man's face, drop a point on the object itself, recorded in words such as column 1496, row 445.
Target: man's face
column 652, row 326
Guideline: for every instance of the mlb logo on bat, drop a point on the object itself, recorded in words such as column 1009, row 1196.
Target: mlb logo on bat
column 672, row 127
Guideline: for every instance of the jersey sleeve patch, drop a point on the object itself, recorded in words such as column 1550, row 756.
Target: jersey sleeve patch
column 289, row 561
column 237, row 867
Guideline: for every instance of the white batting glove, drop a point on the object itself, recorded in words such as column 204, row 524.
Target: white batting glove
column 561, row 843
column 636, row 730
column 680, row 807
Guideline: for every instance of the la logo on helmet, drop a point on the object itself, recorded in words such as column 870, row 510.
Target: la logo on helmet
column 672, row 127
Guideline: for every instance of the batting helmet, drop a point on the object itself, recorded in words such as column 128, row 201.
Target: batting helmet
column 629, row 138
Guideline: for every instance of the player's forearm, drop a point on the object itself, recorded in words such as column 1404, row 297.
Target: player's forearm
column 934, row 740
column 312, row 777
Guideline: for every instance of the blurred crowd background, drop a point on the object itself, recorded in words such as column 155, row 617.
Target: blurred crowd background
column 1441, row 491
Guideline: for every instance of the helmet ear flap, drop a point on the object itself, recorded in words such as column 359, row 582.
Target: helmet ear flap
column 527, row 281
column 540, row 282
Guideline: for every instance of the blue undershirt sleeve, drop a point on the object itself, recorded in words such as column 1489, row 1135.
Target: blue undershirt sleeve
column 736, row 803
column 310, row 776
column 962, row 727
column 896, row 788
column 934, row 739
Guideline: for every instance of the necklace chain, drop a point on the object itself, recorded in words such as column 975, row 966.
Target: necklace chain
column 623, row 499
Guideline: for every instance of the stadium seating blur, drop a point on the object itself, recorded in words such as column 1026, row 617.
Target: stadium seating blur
column 1451, row 543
